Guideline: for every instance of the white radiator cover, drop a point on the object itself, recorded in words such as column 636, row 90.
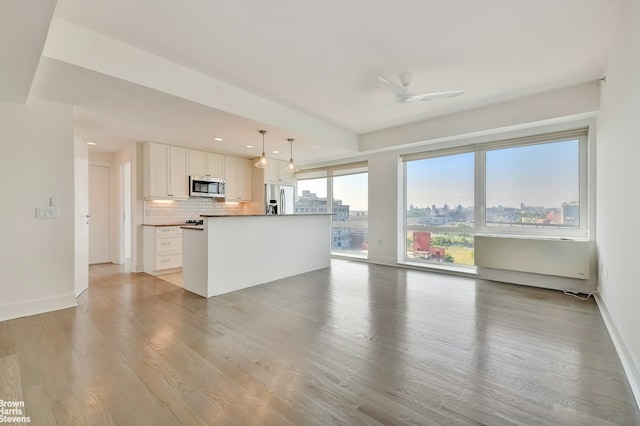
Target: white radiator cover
column 556, row 257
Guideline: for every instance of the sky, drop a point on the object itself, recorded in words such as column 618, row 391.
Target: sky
column 351, row 189
column 536, row 175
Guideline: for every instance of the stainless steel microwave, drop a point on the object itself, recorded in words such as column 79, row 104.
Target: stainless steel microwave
column 206, row 186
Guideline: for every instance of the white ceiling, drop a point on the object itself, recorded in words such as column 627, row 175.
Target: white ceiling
column 315, row 60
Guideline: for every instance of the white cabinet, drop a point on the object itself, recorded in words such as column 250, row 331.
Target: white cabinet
column 162, row 249
column 197, row 163
column 178, row 174
column 278, row 172
column 237, row 176
column 166, row 171
column 156, row 158
column 215, row 165
column 203, row 163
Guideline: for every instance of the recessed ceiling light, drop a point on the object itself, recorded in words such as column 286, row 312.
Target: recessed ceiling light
column 217, row 139
column 316, row 146
column 91, row 143
column 249, row 146
column 276, row 152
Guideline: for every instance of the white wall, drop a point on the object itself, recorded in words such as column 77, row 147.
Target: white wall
column 36, row 163
column 618, row 201
column 383, row 208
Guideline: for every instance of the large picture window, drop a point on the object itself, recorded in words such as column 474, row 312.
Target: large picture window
column 534, row 186
column 440, row 209
column 530, row 187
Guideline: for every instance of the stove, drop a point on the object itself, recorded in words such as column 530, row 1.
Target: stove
column 195, row 222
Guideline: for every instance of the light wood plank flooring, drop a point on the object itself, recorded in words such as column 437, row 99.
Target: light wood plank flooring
column 353, row 344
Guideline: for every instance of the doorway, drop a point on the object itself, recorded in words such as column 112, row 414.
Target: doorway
column 99, row 213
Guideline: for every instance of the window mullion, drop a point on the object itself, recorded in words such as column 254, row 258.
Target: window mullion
column 480, row 191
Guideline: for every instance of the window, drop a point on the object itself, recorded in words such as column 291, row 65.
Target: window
column 311, row 194
column 350, row 206
column 535, row 186
column 343, row 191
column 440, row 210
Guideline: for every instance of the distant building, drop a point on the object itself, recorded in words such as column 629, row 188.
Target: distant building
column 422, row 248
column 570, row 213
column 310, row 203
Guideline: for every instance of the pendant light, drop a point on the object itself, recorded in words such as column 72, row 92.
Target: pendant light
column 263, row 163
column 291, row 167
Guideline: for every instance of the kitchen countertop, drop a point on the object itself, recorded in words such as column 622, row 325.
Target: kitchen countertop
column 189, row 226
column 197, row 228
column 163, row 224
column 265, row 215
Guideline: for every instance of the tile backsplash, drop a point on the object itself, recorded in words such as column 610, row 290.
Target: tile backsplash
column 159, row 212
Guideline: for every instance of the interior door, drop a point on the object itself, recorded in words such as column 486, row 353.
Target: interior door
column 81, row 211
column 99, row 208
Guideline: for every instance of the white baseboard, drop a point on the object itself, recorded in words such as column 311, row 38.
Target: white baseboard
column 38, row 306
column 136, row 267
column 631, row 367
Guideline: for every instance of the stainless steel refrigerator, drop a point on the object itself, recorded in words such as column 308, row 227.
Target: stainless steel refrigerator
column 279, row 199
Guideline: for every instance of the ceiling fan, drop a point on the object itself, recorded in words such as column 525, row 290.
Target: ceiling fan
column 404, row 96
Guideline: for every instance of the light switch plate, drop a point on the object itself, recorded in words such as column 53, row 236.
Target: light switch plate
column 46, row 213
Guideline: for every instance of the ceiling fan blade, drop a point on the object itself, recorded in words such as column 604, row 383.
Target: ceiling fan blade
column 440, row 95
column 391, row 86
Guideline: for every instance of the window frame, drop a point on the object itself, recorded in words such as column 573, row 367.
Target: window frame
column 480, row 227
column 530, row 231
column 433, row 229
column 329, row 173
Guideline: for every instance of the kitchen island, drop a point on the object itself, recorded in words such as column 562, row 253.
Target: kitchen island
column 234, row 252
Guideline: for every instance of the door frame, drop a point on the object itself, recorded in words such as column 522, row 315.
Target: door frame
column 125, row 215
column 81, row 210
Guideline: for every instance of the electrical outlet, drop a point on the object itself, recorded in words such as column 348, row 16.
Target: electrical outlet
column 46, row 213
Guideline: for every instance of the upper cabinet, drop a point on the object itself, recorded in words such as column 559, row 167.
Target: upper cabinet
column 203, row 163
column 215, row 165
column 197, row 163
column 178, row 172
column 166, row 171
column 237, row 176
column 278, row 172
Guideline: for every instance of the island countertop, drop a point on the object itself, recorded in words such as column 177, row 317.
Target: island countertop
column 265, row 215
column 233, row 252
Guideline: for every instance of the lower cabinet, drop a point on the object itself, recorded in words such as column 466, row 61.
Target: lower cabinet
column 162, row 247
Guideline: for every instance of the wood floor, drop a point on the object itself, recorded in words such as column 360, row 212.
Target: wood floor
column 353, row 344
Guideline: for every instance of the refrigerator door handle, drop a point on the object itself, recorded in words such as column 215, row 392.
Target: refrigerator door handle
column 282, row 202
